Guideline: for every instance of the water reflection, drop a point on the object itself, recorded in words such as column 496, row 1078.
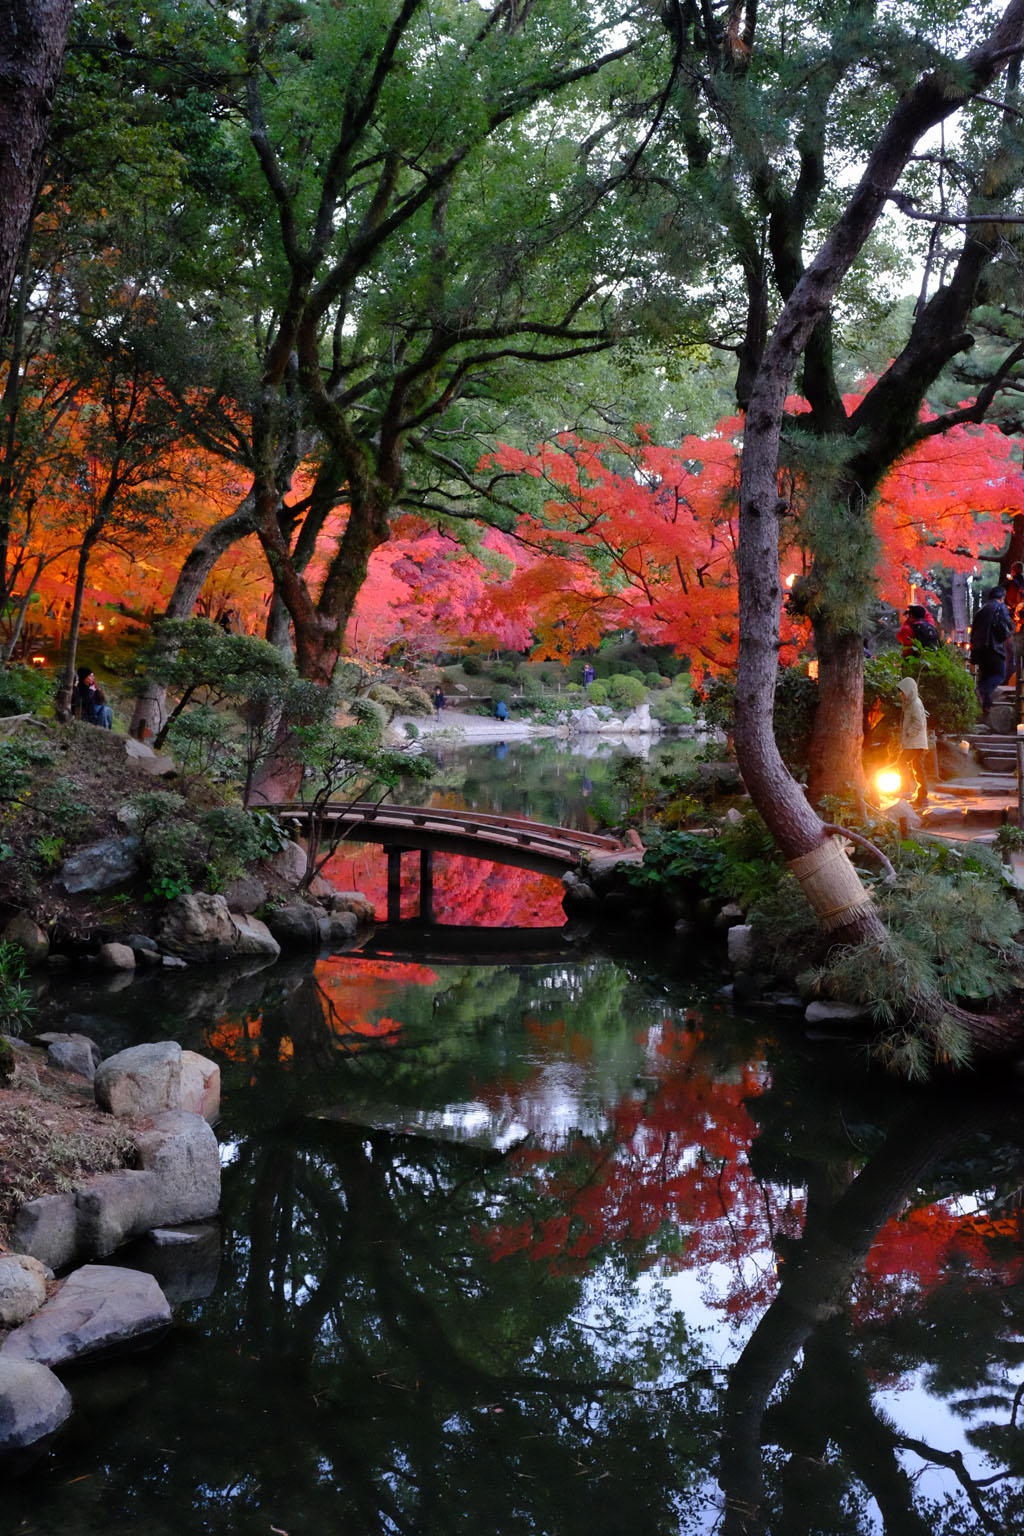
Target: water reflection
column 569, row 1249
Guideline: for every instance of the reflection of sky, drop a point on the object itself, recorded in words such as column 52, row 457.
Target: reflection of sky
column 677, row 1096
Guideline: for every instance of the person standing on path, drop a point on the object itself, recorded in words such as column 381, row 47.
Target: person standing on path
column 989, row 632
column 439, row 699
column 914, row 737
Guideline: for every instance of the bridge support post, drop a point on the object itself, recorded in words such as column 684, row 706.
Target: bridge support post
column 426, row 885
column 395, row 884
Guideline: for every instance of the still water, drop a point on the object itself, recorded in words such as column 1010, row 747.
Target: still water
column 556, row 1248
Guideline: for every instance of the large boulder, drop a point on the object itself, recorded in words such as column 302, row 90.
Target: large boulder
column 110, row 1208
column 822, row 1011
column 342, row 927
column 99, row 1310
column 290, row 863
column 33, row 1403
column 355, row 902
column 246, row 894
column 179, row 1181
column 198, row 927
column 159, row 764
column 253, row 937
column 75, row 1054
column 142, row 1080
column 112, row 861
column 296, row 927
column 117, row 957
column 181, row 1151
column 23, row 931
column 200, row 1086
column 742, row 948
column 47, row 1228
column 22, row 1287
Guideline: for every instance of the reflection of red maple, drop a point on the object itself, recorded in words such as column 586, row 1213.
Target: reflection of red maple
column 467, row 892
column 358, row 995
column 355, row 997
column 918, row 1249
column 674, row 1161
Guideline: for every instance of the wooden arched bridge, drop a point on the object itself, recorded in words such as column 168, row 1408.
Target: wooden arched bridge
column 512, row 840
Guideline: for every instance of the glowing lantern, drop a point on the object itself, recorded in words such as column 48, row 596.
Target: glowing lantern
column 888, row 781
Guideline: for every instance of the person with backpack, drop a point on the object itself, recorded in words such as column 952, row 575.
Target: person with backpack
column 993, row 623
column 918, row 628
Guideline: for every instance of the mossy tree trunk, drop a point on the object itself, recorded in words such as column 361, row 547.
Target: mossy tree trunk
column 827, row 876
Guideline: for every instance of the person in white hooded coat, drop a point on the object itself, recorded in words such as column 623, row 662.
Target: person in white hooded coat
column 914, row 737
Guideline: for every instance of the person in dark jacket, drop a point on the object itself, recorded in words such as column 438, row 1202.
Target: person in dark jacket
column 88, row 702
column 439, row 699
column 992, row 624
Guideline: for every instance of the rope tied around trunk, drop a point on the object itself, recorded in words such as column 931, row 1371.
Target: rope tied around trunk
column 831, row 884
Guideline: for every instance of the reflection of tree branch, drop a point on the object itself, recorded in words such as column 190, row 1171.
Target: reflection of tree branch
column 831, row 1401
column 837, row 1238
column 954, row 1460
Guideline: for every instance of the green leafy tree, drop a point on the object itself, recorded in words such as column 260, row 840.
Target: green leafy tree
column 346, row 760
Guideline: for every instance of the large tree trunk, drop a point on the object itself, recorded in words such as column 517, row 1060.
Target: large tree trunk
column 32, row 38
column 318, row 629
column 837, row 737
column 67, row 682
column 827, row 876
column 151, row 703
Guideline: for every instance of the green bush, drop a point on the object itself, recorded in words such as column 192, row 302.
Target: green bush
column 670, row 710
column 471, row 666
column 943, row 680
column 18, row 760
column 597, row 694
column 201, row 744
column 796, row 699
column 24, row 690
column 626, row 692
column 415, row 700
column 389, row 698
column 200, row 851
column 16, row 1005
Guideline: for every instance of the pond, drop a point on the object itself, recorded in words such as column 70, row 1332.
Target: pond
column 562, row 1249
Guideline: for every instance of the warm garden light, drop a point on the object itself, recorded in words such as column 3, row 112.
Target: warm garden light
column 888, row 781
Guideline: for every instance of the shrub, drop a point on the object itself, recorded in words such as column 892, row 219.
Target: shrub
column 18, row 760
column 201, row 744
column 796, row 699
column 598, row 694
column 16, row 1005
column 471, row 666
column 670, row 709
column 415, row 700
column 387, row 697
column 24, row 690
column 626, row 692
column 943, row 680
